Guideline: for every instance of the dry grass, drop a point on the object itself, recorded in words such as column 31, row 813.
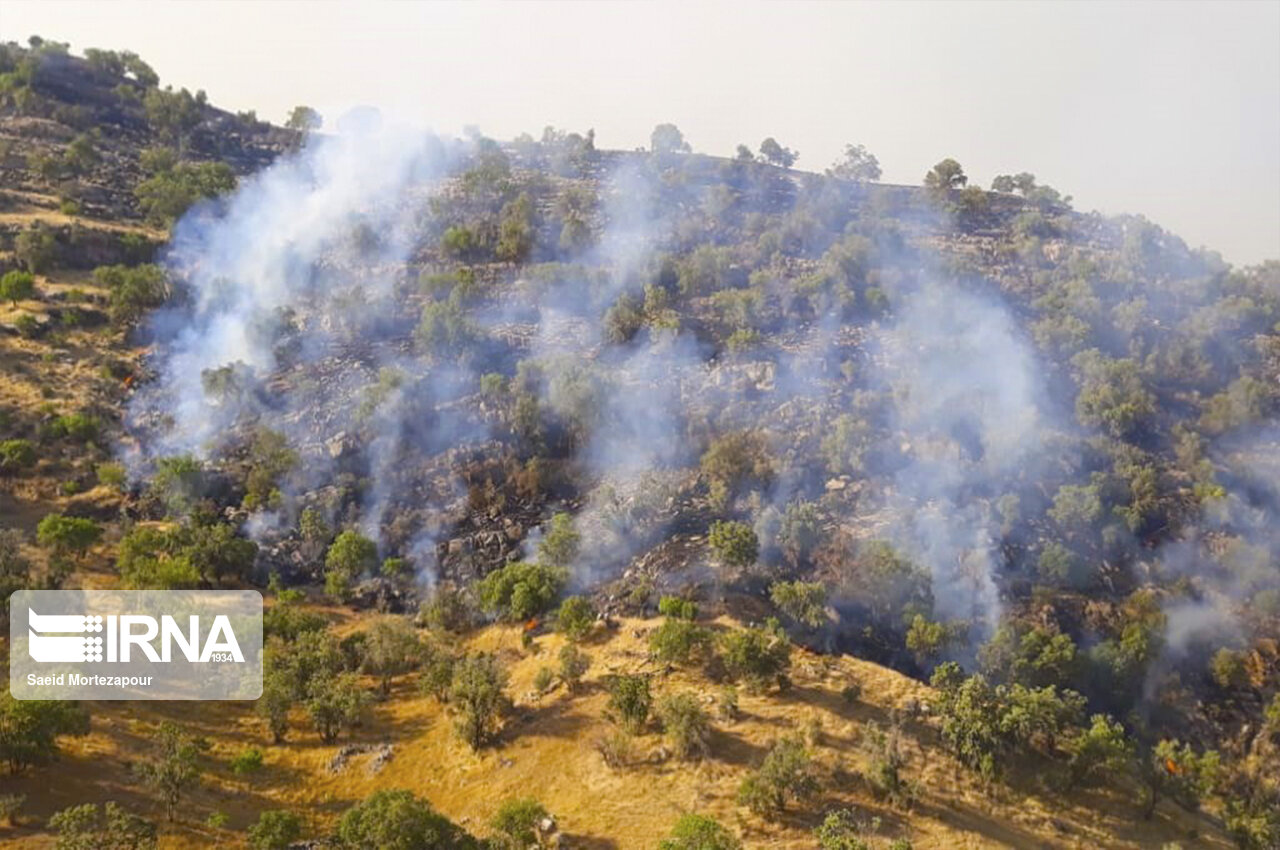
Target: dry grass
column 547, row 750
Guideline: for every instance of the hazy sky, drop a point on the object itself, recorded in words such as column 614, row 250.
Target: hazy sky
column 1167, row 109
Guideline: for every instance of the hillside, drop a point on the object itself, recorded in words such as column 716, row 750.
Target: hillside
column 1008, row 468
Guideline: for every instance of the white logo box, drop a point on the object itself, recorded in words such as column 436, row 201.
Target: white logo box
column 135, row 644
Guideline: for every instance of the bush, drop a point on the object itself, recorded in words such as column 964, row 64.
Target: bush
column 16, row 455
column 560, row 545
column 678, row 608
column 785, row 774
column 803, row 601
column 698, row 832
column 575, row 618
column 476, row 695
column 734, row 543
column 521, row 590
column 757, row 655
column 686, row 726
column 518, row 824
column 165, row 196
column 134, row 290
column 543, row 680
column 275, row 830
column 65, row 535
column 10, row 806
column 336, row 703
column 574, row 664
column 629, row 696
column 350, row 556
column 29, row 729
column 248, row 760
column 17, row 286
column 397, row 820
column 678, row 641
column 36, row 248
column 87, row 826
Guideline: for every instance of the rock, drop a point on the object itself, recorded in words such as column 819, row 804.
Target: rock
column 836, row 484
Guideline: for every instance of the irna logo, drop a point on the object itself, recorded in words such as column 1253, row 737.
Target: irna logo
column 76, row 638
column 135, row 644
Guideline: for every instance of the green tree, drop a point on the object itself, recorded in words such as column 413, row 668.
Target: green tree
column 857, row 164
column 29, row 729
column 685, row 725
column 36, row 248
column 86, row 827
column 1175, row 770
column 1099, row 752
column 667, row 139
column 560, row 545
column 573, row 666
column 350, row 556
column 335, row 703
column 575, row 618
column 17, row 454
column 678, row 641
column 699, row 832
column 275, row 830
column 66, row 535
column 629, row 696
column 734, row 543
column 304, row 119
column 775, row 154
column 521, row 590
column 786, row 773
column 803, row 601
column 517, row 824
column 757, row 656
column 945, row 176
column 476, row 696
column 17, row 286
column 175, row 766
column 391, row 648
column 397, row 820
column 516, row 230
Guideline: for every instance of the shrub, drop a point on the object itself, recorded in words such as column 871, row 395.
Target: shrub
column 397, row 820
column 727, row 703
column 66, row 535
column 134, row 290
column 575, row 618
column 734, row 543
column 678, row 641
column 275, row 830
column 175, row 766
column 10, row 806
column 629, row 696
column 476, row 695
column 574, row 664
column 248, row 760
column 165, row 196
column 390, row 648
column 335, row 703
column 803, row 601
column 351, row 555
column 543, row 680
column 29, row 729
column 87, row 826
column 518, row 824
column 785, row 774
column 521, row 590
column 16, row 455
column 698, row 832
column 560, row 545
column 17, row 286
column 757, row 655
column 678, row 608
column 685, row 724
